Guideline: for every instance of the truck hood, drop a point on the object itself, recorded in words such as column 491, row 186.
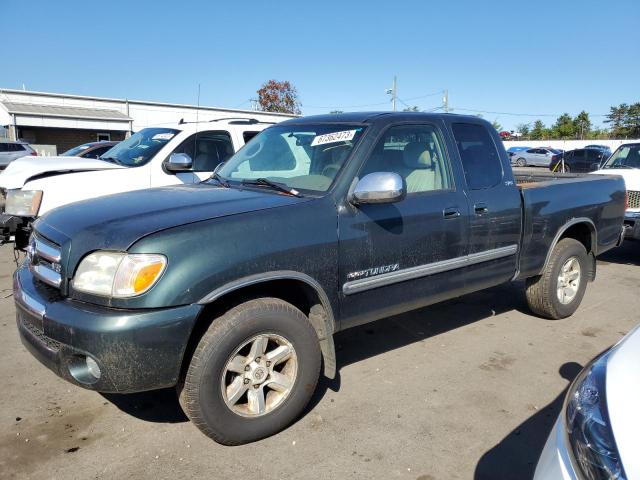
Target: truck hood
column 631, row 176
column 20, row 171
column 115, row 222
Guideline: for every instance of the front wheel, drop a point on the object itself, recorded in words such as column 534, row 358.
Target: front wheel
column 253, row 372
column 557, row 293
column 521, row 162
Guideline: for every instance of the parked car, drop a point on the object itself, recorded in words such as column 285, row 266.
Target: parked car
column 152, row 157
column 90, row 150
column 231, row 289
column 537, row 157
column 511, row 151
column 10, row 151
column 605, row 149
column 580, row 160
column 596, row 434
column 625, row 162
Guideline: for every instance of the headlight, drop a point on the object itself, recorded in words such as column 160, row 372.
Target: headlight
column 117, row 274
column 23, row 203
column 588, row 425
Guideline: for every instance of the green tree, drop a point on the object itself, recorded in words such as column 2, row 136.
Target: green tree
column 411, row 109
column 275, row 96
column 335, row 112
column 582, row 125
column 617, row 117
column 496, row 125
column 632, row 120
column 564, row 127
column 539, row 131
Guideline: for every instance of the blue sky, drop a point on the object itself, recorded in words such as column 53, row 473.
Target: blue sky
column 545, row 57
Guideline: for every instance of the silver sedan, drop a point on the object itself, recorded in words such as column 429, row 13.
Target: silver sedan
column 537, row 157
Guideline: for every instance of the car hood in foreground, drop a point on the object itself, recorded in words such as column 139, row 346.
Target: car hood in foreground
column 623, row 392
column 115, row 222
column 20, row 171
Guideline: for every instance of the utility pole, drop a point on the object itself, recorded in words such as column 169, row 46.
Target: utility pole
column 393, row 91
column 445, row 101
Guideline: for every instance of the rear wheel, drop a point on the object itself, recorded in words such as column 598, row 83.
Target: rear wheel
column 252, row 373
column 521, row 162
column 565, row 168
column 557, row 293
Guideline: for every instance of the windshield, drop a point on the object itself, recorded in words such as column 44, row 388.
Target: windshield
column 140, row 147
column 75, row 151
column 626, row 156
column 301, row 157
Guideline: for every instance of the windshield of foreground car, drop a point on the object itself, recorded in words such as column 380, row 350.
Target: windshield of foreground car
column 140, row 147
column 300, row 157
column 626, row 156
column 75, row 151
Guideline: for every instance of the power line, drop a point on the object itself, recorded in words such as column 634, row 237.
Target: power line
column 524, row 114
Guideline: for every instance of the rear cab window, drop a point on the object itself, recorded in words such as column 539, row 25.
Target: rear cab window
column 480, row 158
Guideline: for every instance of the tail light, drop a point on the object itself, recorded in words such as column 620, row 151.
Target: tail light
column 33, row 153
column 554, row 158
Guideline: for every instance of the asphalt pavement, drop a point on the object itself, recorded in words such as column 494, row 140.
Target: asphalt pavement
column 465, row 389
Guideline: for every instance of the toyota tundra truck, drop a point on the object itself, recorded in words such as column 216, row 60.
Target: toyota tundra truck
column 231, row 289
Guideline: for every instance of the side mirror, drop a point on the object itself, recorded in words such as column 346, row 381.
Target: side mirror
column 178, row 162
column 379, row 187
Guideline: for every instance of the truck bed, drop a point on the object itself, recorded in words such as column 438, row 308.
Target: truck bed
column 551, row 201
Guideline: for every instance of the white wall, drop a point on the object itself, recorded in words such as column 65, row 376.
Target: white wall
column 143, row 113
column 566, row 144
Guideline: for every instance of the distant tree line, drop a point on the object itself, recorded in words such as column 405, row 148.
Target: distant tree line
column 624, row 121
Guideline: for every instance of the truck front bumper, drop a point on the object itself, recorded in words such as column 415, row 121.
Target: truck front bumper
column 632, row 225
column 100, row 348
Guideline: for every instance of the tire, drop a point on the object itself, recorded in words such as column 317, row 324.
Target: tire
column 565, row 169
column 521, row 162
column 542, row 291
column 211, row 374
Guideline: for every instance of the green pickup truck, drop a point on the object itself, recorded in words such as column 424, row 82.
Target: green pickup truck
column 231, row 289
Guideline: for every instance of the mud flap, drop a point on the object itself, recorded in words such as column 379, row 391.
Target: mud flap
column 318, row 318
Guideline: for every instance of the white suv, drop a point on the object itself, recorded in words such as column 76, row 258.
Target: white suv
column 10, row 151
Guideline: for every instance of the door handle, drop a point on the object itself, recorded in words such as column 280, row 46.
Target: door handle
column 480, row 208
column 451, row 212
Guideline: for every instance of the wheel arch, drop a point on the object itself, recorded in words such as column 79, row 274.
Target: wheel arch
column 299, row 289
column 581, row 229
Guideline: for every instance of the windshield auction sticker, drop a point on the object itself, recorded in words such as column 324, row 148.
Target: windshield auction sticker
column 334, row 137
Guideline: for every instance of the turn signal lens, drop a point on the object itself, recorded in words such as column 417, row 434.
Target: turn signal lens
column 137, row 274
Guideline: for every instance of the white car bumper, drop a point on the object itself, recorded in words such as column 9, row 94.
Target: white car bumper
column 554, row 463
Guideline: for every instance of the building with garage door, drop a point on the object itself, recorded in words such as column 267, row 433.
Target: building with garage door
column 53, row 123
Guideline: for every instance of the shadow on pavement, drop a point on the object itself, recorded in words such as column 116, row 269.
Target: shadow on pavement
column 160, row 406
column 626, row 254
column 371, row 339
column 517, row 454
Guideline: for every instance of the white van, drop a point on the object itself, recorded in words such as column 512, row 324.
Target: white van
column 152, row 157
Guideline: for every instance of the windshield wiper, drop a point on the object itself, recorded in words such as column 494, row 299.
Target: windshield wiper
column 619, row 166
column 273, row 185
column 220, row 180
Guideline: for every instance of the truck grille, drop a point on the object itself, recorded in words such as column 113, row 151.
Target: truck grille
column 634, row 198
column 44, row 261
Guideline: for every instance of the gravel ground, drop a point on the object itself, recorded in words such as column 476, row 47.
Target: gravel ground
column 465, row 389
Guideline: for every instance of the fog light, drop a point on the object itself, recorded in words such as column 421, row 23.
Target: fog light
column 93, row 367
